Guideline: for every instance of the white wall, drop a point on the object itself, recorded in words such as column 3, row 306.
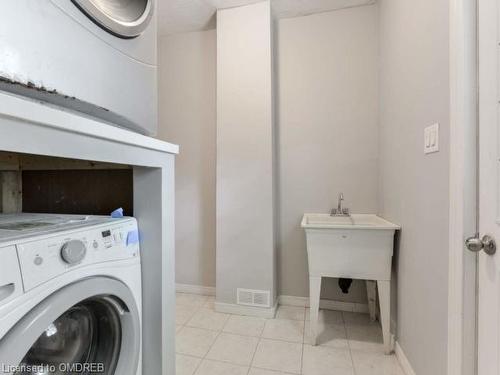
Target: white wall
column 187, row 96
column 326, row 106
column 414, row 93
column 329, row 141
column 245, row 156
column 328, row 134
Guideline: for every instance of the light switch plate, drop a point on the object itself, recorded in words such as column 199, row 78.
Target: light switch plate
column 431, row 139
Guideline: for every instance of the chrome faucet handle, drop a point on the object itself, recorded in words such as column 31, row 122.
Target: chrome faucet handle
column 339, row 203
column 340, row 210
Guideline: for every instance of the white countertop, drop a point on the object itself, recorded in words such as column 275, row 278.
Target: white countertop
column 46, row 115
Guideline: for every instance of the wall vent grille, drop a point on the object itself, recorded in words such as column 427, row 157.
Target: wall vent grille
column 251, row 297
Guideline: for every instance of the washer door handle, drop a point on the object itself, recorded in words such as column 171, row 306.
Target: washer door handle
column 6, row 290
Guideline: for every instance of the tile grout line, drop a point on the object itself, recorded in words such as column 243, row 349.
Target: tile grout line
column 197, row 308
column 349, row 345
column 303, row 344
column 257, row 347
column 254, row 353
column 219, row 333
column 241, row 335
column 277, row 371
column 260, row 338
column 208, row 350
column 279, row 340
column 216, row 337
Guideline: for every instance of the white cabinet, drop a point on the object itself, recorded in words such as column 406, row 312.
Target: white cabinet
column 32, row 128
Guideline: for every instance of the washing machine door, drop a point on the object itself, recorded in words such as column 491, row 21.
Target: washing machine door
column 90, row 327
column 123, row 18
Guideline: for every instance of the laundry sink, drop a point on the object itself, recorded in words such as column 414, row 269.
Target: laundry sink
column 357, row 221
column 356, row 246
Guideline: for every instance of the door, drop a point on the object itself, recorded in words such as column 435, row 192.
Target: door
column 489, row 189
column 90, row 327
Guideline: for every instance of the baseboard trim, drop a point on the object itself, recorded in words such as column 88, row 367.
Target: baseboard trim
column 195, row 289
column 403, row 360
column 282, row 300
column 325, row 304
column 260, row 312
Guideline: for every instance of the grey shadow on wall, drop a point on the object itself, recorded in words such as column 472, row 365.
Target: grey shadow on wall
column 394, row 283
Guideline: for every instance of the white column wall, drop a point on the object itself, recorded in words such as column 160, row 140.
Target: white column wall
column 245, row 163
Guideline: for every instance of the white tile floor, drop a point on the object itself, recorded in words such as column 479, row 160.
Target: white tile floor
column 211, row 343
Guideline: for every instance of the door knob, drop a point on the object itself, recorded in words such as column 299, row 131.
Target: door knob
column 476, row 244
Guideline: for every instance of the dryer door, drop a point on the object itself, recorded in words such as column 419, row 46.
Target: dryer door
column 91, row 326
column 123, row 18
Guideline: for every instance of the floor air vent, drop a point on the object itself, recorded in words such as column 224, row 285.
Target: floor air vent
column 257, row 298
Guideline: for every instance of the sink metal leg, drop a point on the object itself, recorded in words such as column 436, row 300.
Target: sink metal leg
column 384, row 292
column 314, row 296
column 371, row 291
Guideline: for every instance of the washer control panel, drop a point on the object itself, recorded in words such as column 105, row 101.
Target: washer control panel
column 51, row 256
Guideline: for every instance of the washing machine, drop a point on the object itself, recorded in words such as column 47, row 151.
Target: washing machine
column 70, row 295
column 96, row 57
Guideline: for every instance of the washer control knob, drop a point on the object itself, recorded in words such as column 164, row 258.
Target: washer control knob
column 73, row 251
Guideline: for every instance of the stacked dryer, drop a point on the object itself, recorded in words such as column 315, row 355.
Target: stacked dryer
column 96, row 57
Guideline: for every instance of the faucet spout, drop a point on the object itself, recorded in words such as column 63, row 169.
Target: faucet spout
column 340, row 210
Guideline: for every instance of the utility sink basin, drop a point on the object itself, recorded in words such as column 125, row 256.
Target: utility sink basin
column 358, row 247
column 357, row 221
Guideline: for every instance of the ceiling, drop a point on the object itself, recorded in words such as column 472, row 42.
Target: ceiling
column 177, row 16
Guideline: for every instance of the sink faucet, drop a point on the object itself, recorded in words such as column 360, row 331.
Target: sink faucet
column 340, row 211
column 339, row 204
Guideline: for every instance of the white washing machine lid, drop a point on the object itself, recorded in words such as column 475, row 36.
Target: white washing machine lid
column 122, row 18
column 57, row 331
column 18, row 226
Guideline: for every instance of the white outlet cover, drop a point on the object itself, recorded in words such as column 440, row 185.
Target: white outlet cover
column 431, row 139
